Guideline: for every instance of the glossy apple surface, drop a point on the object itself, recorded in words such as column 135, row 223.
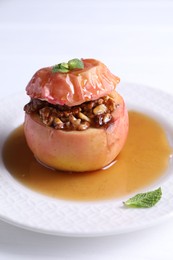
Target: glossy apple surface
column 75, row 87
column 78, row 151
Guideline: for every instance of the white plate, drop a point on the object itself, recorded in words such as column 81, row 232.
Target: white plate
column 31, row 210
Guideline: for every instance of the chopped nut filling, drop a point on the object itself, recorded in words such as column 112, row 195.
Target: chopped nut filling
column 95, row 113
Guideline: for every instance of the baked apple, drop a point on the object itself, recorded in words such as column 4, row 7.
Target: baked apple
column 75, row 120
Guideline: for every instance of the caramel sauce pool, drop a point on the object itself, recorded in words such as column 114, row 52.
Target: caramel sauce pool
column 143, row 160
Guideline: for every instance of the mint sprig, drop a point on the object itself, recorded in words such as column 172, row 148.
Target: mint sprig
column 75, row 64
column 144, row 200
column 70, row 65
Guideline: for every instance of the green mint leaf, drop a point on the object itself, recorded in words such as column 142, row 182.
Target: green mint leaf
column 63, row 70
column 144, row 200
column 61, row 67
column 75, row 64
column 66, row 67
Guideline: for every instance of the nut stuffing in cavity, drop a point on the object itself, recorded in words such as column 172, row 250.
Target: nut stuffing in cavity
column 89, row 114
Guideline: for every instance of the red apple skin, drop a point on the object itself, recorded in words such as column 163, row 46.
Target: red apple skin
column 77, row 151
column 75, row 87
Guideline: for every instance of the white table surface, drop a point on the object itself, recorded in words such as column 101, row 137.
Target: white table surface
column 135, row 40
